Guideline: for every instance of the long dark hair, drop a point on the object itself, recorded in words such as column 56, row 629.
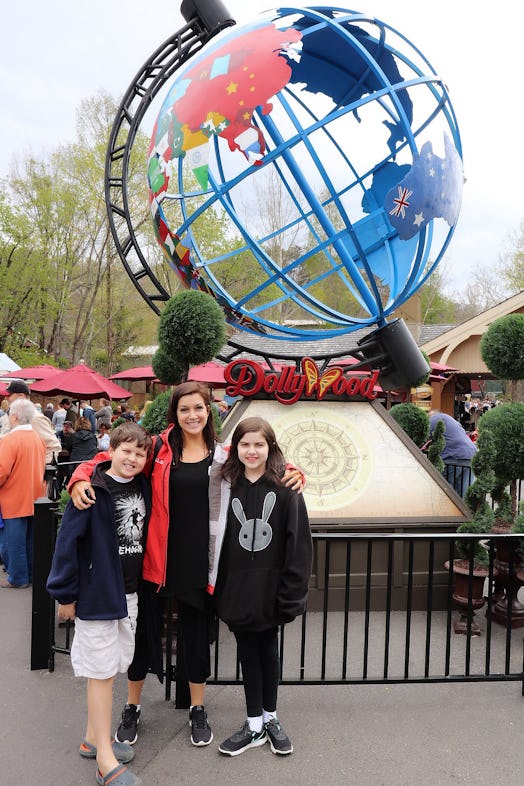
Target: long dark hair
column 233, row 468
column 176, row 438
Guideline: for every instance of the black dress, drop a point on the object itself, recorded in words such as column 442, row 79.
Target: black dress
column 188, row 536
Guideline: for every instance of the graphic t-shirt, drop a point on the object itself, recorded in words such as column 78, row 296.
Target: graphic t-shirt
column 130, row 513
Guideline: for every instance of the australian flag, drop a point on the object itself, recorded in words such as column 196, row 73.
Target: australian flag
column 431, row 189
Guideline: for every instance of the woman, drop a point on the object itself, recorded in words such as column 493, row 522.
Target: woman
column 176, row 555
column 82, row 443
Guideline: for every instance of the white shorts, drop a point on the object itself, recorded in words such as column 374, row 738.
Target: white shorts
column 101, row 648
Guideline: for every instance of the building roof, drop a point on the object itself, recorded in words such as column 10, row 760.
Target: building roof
column 458, row 346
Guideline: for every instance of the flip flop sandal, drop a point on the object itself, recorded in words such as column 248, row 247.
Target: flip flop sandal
column 120, row 776
column 123, row 753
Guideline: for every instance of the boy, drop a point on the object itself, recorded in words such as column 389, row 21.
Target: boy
column 94, row 577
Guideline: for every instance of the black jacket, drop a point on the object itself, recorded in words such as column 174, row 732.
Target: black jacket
column 265, row 563
column 82, row 445
column 86, row 565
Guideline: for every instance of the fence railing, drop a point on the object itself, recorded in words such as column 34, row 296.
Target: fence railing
column 383, row 608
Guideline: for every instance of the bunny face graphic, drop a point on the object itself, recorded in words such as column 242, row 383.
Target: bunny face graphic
column 255, row 534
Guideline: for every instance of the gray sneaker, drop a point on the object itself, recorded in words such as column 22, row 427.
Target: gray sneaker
column 278, row 739
column 242, row 740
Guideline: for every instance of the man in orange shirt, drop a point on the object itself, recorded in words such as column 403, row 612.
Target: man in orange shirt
column 22, row 465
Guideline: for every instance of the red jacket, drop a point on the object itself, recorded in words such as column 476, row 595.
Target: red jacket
column 155, row 558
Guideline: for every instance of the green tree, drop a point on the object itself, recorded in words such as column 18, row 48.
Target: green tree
column 436, row 307
column 22, row 274
column 512, row 266
column 65, row 287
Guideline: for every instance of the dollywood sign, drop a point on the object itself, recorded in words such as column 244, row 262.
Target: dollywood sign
column 291, row 383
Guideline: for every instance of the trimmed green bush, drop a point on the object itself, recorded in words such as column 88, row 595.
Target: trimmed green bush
column 502, row 347
column 506, row 425
column 413, row 420
column 192, row 329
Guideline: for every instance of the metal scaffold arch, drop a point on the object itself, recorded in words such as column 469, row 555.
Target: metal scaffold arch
column 155, row 72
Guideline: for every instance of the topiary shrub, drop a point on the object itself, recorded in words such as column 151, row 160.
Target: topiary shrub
column 476, row 499
column 413, row 420
column 436, row 446
column 166, row 368
column 506, row 425
column 155, row 417
column 502, row 348
column 192, row 330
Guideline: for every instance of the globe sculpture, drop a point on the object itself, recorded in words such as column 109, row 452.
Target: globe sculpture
column 305, row 170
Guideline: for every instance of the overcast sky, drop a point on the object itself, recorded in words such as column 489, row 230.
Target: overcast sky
column 55, row 53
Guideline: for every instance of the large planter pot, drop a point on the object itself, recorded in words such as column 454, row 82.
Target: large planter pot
column 507, row 583
column 468, row 594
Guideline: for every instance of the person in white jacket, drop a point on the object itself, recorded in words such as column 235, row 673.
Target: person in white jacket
column 18, row 389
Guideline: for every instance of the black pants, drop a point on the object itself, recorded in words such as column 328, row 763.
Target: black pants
column 258, row 655
column 193, row 625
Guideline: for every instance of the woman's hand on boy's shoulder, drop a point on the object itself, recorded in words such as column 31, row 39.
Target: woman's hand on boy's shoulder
column 82, row 495
column 294, row 479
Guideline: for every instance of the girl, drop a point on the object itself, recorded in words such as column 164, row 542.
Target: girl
column 262, row 542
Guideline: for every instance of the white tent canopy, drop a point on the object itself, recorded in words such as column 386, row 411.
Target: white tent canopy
column 6, row 364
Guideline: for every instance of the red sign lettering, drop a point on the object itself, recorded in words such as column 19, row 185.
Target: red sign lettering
column 289, row 384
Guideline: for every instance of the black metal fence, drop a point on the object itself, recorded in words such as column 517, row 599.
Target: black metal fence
column 384, row 608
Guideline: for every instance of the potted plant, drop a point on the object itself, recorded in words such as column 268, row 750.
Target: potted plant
column 471, row 564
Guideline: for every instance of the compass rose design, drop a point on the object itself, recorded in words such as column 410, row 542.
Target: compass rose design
column 333, row 455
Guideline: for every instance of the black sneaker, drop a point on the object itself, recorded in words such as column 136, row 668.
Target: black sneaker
column 242, row 740
column 201, row 733
column 127, row 731
column 278, row 739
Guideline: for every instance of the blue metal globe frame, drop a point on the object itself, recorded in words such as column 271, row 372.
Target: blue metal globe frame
column 376, row 349
column 366, row 292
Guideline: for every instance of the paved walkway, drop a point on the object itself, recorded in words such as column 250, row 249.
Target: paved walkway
column 370, row 735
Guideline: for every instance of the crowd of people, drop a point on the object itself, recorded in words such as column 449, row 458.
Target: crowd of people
column 70, row 433
column 469, row 410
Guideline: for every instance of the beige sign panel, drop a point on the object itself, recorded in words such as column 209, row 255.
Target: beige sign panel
column 358, row 463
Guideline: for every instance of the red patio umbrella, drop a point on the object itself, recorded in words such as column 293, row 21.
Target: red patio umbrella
column 3, row 390
column 212, row 373
column 136, row 374
column 42, row 371
column 81, row 382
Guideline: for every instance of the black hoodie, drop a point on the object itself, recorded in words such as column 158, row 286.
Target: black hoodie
column 265, row 562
